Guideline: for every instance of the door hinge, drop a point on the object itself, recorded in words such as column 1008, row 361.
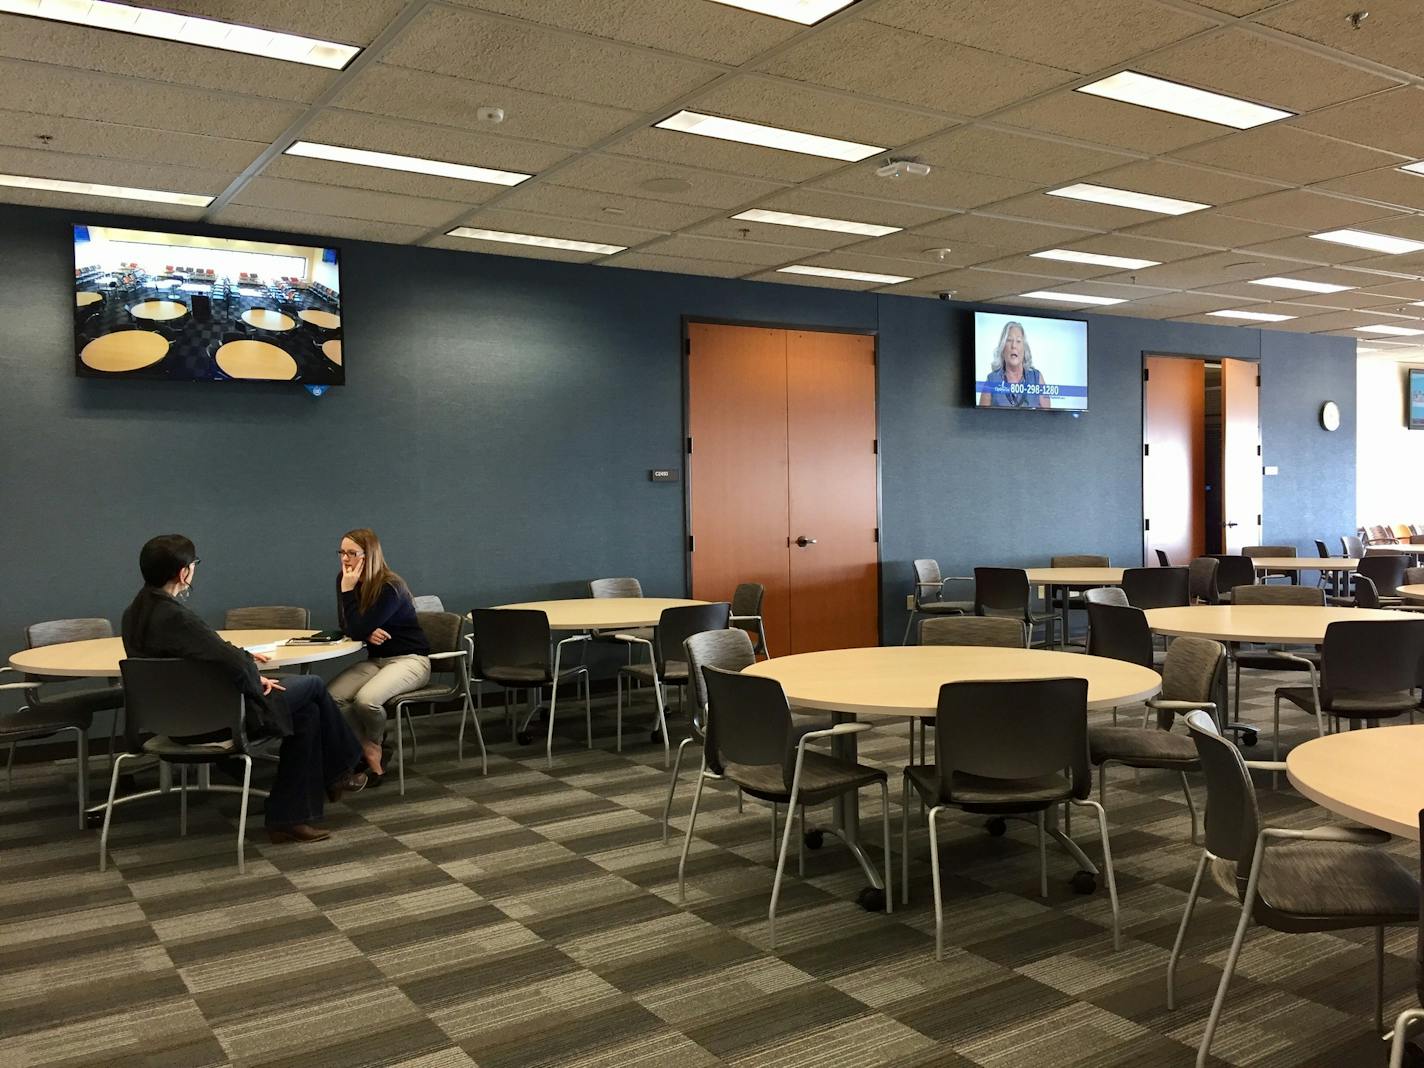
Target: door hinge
column 689, row 446
column 1146, row 524
column 1144, row 374
column 690, row 545
column 1258, row 450
column 876, row 537
column 875, row 446
column 1258, row 379
column 1258, row 519
column 1146, row 449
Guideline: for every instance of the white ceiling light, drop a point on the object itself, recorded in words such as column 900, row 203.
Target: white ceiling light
column 1070, row 256
column 752, row 133
column 806, row 12
column 815, row 222
column 1300, row 284
column 853, row 276
column 1393, row 246
column 1258, row 317
column 476, row 234
column 1414, row 168
column 1126, row 198
column 415, row 164
column 1162, row 95
column 1072, row 298
column 1386, row 328
column 187, row 29
column 93, row 189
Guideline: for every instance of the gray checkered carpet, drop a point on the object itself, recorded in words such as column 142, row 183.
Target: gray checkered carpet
column 531, row 918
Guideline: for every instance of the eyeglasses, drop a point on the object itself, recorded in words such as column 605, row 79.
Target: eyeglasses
column 353, row 553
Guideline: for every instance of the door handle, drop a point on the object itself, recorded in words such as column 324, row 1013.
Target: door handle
column 804, row 541
column 1231, row 524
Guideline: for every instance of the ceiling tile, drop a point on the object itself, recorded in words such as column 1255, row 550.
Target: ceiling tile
column 1011, row 235
column 844, row 206
column 1167, row 305
column 915, row 245
column 482, row 148
column 83, row 137
column 1411, row 263
column 1410, row 226
column 1201, row 271
column 685, row 246
column 1408, row 290
column 671, row 146
column 1109, row 122
column 322, row 173
column 813, row 241
column 1388, row 185
column 893, row 64
column 966, row 285
column 1349, row 299
column 1298, row 313
column 1071, row 212
column 1015, row 154
column 1286, row 153
column 1340, row 320
column 1021, row 264
column 288, row 195
column 1304, row 210
column 504, row 52
column 1082, row 35
column 519, row 222
column 944, row 187
column 547, row 197
column 1142, row 248
column 1394, row 34
column 812, row 280
column 318, row 225
column 618, row 174
column 1211, row 228
column 647, row 261
column 1236, row 7
column 1390, row 121
column 80, row 205
column 356, row 22
column 523, row 252
column 137, row 174
column 1168, row 179
column 857, row 260
column 1307, row 249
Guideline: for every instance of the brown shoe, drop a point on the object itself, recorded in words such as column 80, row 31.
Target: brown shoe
column 352, row 783
column 297, row 832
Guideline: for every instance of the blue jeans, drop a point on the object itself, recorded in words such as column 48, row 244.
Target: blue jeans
column 321, row 750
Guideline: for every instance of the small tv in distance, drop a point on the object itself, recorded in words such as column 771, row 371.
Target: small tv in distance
column 1414, row 398
column 1030, row 363
column 153, row 305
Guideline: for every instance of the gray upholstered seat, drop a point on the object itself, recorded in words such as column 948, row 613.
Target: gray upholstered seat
column 1354, row 705
column 987, row 631
column 822, row 778
column 1141, row 748
column 1328, row 881
column 674, row 671
column 977, row 793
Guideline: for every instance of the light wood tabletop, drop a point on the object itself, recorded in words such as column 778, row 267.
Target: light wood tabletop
column 1075, row 576
column 1304, row 563
column 256, row 359
column 267, row 319
column 1282, row 624
column 124, row 350
column 603, row 613
column 99, row 657
column 1371, row 776
column 84, row 299
column 332, row 350
column 1411, row 593
column 160, row 311
column 905, row 680
column 323, row 319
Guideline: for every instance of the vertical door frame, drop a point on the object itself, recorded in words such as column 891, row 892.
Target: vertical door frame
column 685, row 348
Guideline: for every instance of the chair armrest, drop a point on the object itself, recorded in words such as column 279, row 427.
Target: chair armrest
column 1266, row 765
column 748, row 619
column 1180, row 706
column 17, row 686
column 582, row 638
column 827, row 732
column 445, row 656
column 1297, row 659
column 1359, row 835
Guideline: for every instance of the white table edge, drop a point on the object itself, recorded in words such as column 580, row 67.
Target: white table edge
column 1340, row 808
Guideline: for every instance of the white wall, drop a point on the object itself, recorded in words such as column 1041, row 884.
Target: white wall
column 1388, row 455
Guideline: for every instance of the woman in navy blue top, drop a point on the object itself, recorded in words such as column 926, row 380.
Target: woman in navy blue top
column 373, row 605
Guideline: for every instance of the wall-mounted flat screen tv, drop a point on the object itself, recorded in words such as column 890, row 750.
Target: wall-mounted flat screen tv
column 1029, row 363
column 205, row 309
column 1415, row 398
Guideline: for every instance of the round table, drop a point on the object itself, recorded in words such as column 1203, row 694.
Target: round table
column 325, row 320
column 603, row 613
column 1065, row 578
column 267, row 319
column 160, row 311
column 1411, row 593
column 332, row 351
column 1304, row 563
column 84, row 299
column 99, row 657
column 1371, row 776
column 255, row 359
column 124, row 350
column 1271, row 624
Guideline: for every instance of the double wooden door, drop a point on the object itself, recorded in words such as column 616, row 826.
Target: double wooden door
column 782, row 479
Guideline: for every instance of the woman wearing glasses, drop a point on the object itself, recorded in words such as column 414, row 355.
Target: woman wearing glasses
column 373, row 605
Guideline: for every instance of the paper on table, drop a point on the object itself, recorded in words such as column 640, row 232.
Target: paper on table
column 264, row 647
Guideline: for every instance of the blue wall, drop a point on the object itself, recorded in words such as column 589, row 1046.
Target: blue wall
column 501, row 418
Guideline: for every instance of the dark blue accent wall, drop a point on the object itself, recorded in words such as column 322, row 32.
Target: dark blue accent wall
column 501, row 417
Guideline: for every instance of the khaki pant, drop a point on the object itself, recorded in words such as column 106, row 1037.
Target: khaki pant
column 362, row 690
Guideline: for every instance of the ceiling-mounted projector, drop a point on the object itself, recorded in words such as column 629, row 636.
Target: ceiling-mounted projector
column 903, row 168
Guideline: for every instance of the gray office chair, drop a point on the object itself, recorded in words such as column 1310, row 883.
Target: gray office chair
column 752, row 742
column 746, row 613
column 267, row 617
column 1201, row 580
column 985, row 631
column 1075, row 597
column 1386, row 571
column 929, row 596
column 1257, row 658
column 1293, row 881
column 1105, row 595
column 1277, row 551
column 666, row 666
column 620, row 587
column 1232, row 571
column 1353, row 546
column 449, row 681
column 55, row 700
column 26, row 724
column 428, row 603
column 1156, row 587
column 1004, row 591
column 1003, row 748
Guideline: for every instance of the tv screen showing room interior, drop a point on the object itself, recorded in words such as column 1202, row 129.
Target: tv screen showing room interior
column 205, row 309
column 1030, row 363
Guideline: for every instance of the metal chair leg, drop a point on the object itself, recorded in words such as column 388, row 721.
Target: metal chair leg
column 885, row 832
column 400, row 748
column 1107, row 866
column 687, row 838
column 1042, row 856
column 801, row 842
column 934, row 876
column 672, row 786
column 587, row 708
column 1191, row 805
column 1379, row 980
column 905, row 839
column 1402, row 1024
column 1227, row 971
column 780, row 862
column 1182, row 931
column 618, row 711
column 242, row 815
column 183, row 800
column 109, row 810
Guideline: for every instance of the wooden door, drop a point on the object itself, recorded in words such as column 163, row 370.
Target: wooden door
column 1241, row 490
column 1174, row 458
column 737, row 477
column 835, row 576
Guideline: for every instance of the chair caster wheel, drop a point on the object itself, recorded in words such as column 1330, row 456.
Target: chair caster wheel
column 655, row 736
column 1083, row 882
column 1249, row 738
column 815, row 839
column 871, row 899
column 524, row 738
column 996, row 826
column 93, row 820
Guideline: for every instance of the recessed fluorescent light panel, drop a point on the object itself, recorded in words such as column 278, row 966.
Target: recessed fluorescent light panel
column 93, row 189
column 853, row 276
column 475, row 234
column 1258, row 317
column 1072, row 298
column 1162, row 95
column 806, row 12
column 1300, row 284
column 187, row 29
column 1393, row 246
column 415, row 164
column 1386, row 328
column 1070, row 256
column 1126, row 198
column 752, row 133
column 1414, row 168
column 815, row 222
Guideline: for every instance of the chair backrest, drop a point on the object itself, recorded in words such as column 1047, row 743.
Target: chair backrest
column 1201, row 580
column 1106, row 595
column 927, row 573
column 1385, row 570
column 993, row 631
column 1163, row 560
column 1156, row 587
column 1233, row 571
column 1254, row 551
column 1321, row 549
column 1298, row 595
column 1353, row 546
column 510, row 637
column 747, row 598
column 267, row 617
column 730, row 650
column 428, row 603
column 1078, row 560
column 1372, row 656
column 1232, row 818
column 180, row 698
column 1025, row 729
column 1366, row 593
column 1414, row 576
column 615, row 587
column 676, row 625
column 56, row 631
column 442, row 632
column 1000, row 591
column 748, row 723
column 1193, row 670
column 1120, row 633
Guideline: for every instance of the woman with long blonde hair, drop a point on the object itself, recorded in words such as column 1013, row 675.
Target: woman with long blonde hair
column 373, row 605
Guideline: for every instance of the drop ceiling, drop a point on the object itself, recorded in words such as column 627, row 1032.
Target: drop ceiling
column 982, row 90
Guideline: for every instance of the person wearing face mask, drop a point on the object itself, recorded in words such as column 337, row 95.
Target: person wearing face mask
column 318, row 752
column 1013, row 367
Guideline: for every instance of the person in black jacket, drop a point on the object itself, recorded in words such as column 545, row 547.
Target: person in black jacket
column 374, row 605
column 318, row 753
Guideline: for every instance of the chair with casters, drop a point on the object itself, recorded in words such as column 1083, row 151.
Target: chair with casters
column 428, row 603
column 268, row 617
column 27, row 724
column 1075, row 597
column 1201, row 580
column 1292, row 881
column 1192, row 676
column 1277, row 551
column 1003, row 748
column 1353, row 546
column 171, row 700
column 665, row 665
column 1163, row 560
column 1105, row 595
column 512, row 650
column 929, row 596
column 1004, row 591
column 1156, row 587
column 746, row 613
column 449, row 681
column 753, row 743
column 1257, row 658
column 54, row 699
column 1411, row 1018
column 1233, row 571
column 1386, row 571
column 983, row 631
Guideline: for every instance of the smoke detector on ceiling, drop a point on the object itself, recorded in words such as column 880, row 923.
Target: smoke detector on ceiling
column 903, row 168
